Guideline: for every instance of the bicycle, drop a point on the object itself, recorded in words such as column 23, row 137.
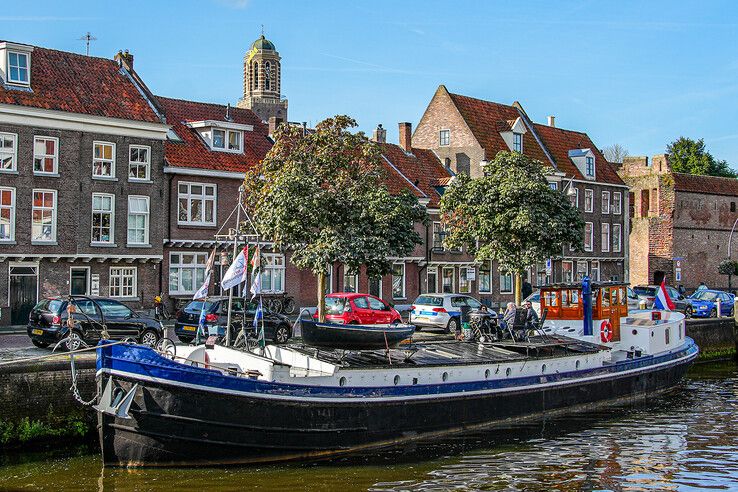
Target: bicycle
column 160, row 309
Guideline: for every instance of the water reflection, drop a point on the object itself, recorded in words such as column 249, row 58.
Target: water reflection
column 684, row 440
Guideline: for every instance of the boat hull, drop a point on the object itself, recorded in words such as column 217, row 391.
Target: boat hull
column 354, row 337
column 191, row 423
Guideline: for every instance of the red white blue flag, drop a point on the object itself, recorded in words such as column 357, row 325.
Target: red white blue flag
column 663, row 301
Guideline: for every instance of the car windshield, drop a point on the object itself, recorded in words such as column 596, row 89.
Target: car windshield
column 631, row 293
column 335, row 305
column 704, row 295
column 645, row 291
column 534, row 297
column 196, row 306
column 429, row 301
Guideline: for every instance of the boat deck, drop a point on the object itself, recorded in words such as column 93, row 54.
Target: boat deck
column 443, row 353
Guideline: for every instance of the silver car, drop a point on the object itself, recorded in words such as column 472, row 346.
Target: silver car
column 441, row 311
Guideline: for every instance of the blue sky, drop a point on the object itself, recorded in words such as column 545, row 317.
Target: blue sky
column 636, row 73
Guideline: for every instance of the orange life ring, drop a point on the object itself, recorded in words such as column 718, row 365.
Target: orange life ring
column 606, row 331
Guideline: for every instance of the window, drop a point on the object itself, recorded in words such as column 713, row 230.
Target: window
column 432, row 280
column 350, row 282
column 43, row 216
column 231, row 138
column 267, row 76
column 103, row 218
column 605, row 238
column 588, row 231
column 7, row 214
column 103, row 159
column 567, row 270
column 654, row 202
column 438, row 236
column 234, row 140
column 594, row 271
column 617, row 203
column 18, row 72
column 272, row 274
column 45, row 155
column 553, row 185
column 447, row 280
column 575, row 198
column 186, row 272
column 581, row 270
column 588, row 200
column 464, row 282
column 376, row 304
column 255, row 70
column 375, row 286
column 444, row 138
column 79, row 281
column 219, row 139
column 8, row 154
column 138, row 220
column 123, row 282
column 645, row 205
column 518, row 142
column 617, row 239
column 139, row 162
column 506, row 283
column 590, row 170
column 605, row 205
column 196, row 204
column 398, row 281
column 485, row 277
column 114, row 309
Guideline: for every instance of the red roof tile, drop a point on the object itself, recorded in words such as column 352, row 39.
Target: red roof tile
column 710, row 185
column 193, row 152
column 74, row 83
column 421, row 168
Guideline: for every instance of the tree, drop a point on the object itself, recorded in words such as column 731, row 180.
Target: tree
column 322, row 196
column 728, row 267
column 510, row 215
column 615, row 153
column 690, row 156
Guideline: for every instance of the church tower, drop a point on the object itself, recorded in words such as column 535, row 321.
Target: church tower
column 262, row 74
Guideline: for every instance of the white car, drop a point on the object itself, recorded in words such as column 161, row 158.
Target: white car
column 441, row 311
column 535, row 301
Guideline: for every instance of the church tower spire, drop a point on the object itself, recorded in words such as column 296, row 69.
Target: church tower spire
column 262, row 81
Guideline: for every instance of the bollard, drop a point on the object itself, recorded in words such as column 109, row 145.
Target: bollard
column 719, row 313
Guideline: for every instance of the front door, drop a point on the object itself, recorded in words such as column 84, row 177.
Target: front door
column 23, row 291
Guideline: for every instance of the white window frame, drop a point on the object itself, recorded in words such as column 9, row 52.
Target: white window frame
column 553, row 185
column 575, row 197
column 592, row 269
column 489, row 262
column 54, row 156
column 275, row 270
column 12, row 209
column 122, row 273
column 605, row 237
column 590, row 192
column 347, row 276
column 52, row 239
column 138, row 164
column 591, row 236
column 503, row 282
column 27, row 68
column 404, row 281
column 617, row 246
column 571, row 270
column 428, row 272
column 111, row 241
column 226, row 140
column 585, row 271
column 468, row 282
column 441, row 133
column 102, row 160
column 605, row 204
column 4, row 153
column 202, row 197
column 146, row 216
column 619, row 201
column 197, row 267
column 587, row 162
column 517, row 142
column 87, row 271
column 452, row 277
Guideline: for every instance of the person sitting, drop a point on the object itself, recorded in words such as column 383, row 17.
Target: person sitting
column 508, row 318
column 531, row 318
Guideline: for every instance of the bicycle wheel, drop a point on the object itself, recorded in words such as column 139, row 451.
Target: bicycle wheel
column 275, row 305
column 165, row 313
column 288, row 305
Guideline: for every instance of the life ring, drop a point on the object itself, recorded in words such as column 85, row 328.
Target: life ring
column 606, row 331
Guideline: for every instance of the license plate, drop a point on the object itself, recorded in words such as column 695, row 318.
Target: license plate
column 189, row 328
column 37, row 332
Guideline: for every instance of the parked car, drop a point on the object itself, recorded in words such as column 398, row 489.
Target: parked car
column 704, row 303
column 442, row 311
column 359, row 309
column 633, row 299
column 648, row 294
column 277, row 327
column 47, row 323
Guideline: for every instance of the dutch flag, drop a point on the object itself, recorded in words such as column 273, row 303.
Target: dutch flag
column 663, row 301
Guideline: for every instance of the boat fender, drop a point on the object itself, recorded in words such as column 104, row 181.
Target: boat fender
column 207, row 360
column 606, row 331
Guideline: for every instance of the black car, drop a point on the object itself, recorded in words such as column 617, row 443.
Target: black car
column 277, row 327
column 648, row 294
column 47, row 323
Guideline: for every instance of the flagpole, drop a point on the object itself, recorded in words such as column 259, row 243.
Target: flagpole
column 235, row 248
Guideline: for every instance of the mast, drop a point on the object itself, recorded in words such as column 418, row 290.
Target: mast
column 235, row 248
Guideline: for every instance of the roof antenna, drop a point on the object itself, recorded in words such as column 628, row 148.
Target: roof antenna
column 262, row 30
column 228, row 112
column 87, row 38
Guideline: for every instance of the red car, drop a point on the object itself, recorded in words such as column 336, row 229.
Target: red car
column 359, row 309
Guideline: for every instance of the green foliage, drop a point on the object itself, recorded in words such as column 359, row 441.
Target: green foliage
column 27, row 430
column 517, row 218
column 690, row 156
column 728, row 267
column 323, row 196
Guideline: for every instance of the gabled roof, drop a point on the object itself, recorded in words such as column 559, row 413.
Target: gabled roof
column 421, row 171
column 710, row 185
column 193, row 152
column 64, row 81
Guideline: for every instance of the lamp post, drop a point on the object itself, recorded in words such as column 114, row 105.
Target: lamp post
column 730, row 238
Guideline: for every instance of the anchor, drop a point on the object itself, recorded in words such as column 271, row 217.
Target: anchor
column 117, row 405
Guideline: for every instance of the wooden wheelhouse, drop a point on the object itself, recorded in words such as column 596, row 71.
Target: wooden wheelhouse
column 565, row 302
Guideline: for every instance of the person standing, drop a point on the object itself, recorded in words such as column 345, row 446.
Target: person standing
column 526, row 289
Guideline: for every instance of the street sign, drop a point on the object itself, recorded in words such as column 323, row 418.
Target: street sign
column 95, row 284
column 549, row 267
column 471, row 273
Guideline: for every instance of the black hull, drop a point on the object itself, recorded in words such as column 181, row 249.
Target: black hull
column 173, row 426
column 354, row 337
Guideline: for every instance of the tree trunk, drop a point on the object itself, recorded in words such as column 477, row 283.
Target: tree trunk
column 518, row 289
column 321, row 297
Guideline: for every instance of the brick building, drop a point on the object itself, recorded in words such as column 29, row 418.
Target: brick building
column 680, row 223
column 81, row 158
column 464, row 131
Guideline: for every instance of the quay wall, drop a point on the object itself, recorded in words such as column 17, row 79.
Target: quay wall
column 716, row 337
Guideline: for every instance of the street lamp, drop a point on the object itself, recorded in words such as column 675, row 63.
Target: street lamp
column 730, row 238
column 571, row 192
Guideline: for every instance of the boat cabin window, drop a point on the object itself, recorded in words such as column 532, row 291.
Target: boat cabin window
column 551, row 298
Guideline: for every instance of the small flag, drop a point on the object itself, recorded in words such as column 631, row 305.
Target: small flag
column 258, row 316
column 235, row 273
column 202, row 292
column 663, row 301
column 256, row 274
column 201, row 322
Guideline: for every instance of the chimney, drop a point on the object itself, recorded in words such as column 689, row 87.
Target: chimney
column 124, row 59
column 552, row 121
column 274, row 123
column 380, row 134
column 406, row 136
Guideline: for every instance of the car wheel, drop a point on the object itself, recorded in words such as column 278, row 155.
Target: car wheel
column 74, row 341
column 281, row 334
column 39, row 343
column 354, row 322
column 396, row 322
column 453, row 325
column 149, row 338
column 713, row 313
column 688, row 312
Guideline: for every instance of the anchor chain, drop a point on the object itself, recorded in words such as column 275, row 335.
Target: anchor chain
column 75, row 390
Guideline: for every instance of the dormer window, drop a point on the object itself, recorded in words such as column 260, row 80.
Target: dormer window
column 223, row 136
column 18, row 68
column 227, row 140
column 518, row 142
column 584, row 159
column 590, row 170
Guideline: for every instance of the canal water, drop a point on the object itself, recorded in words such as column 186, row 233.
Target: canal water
column 686, row 440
